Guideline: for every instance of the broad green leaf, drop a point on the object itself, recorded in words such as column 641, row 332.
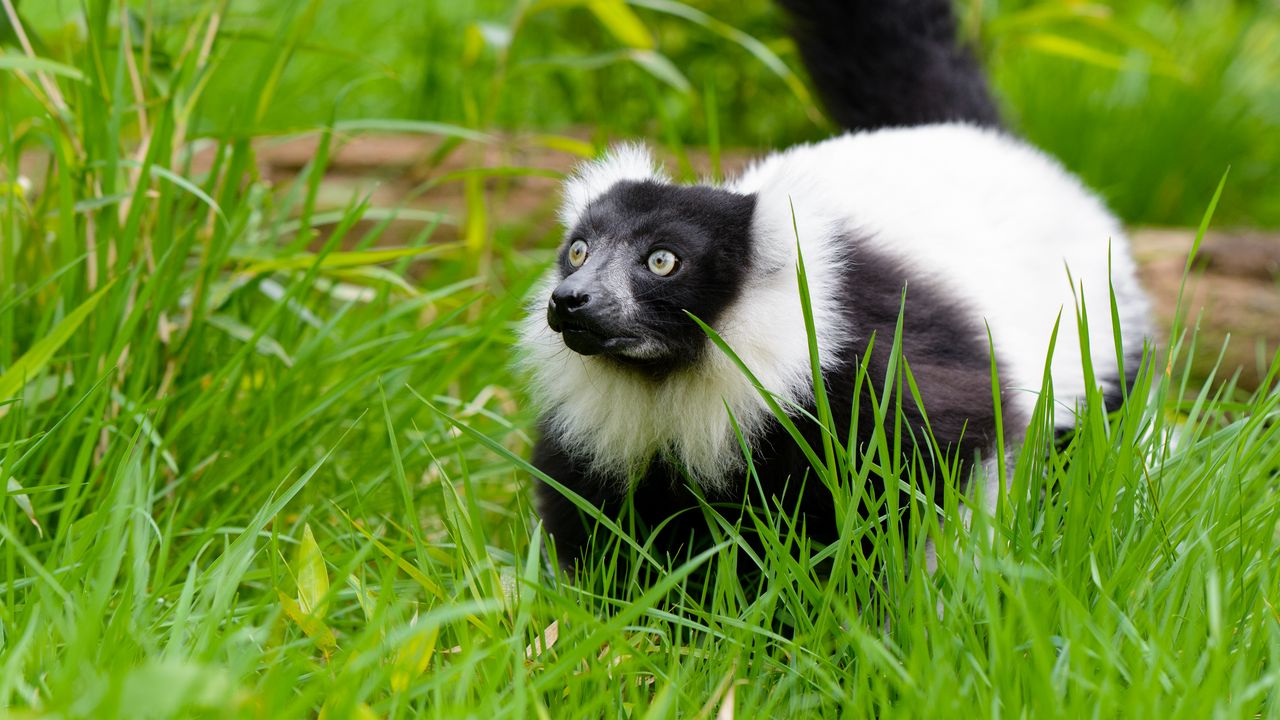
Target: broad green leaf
column 37, row 357
column 414, row 656
column 622, row 23
column 311, row 625
column 313, row 578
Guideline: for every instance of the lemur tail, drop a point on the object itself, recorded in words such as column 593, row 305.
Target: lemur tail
column 887, row 63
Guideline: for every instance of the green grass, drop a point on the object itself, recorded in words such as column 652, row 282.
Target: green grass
column 264, row 466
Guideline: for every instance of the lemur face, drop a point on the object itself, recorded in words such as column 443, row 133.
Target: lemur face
column 639, row 257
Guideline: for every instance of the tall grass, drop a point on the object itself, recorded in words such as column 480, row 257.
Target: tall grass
column 259, row 464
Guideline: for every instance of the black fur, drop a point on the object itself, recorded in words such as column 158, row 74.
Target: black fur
column 947, row 354
column 890, row 63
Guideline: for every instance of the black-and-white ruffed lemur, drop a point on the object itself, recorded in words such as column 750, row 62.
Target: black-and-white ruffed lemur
column 924, row 192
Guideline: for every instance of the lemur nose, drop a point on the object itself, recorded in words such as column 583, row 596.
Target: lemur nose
column 567, row 304
column 568, row 300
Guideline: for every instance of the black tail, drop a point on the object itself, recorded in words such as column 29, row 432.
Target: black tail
column 887, row 63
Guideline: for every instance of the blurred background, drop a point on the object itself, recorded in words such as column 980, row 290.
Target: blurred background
column 258, row 257
column 1149, row 101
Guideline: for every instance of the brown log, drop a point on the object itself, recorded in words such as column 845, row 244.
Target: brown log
column 1231, row 298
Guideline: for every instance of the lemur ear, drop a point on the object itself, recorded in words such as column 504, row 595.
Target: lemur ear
column 628, row 161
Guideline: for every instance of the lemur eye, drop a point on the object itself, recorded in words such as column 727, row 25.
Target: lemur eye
column 662, row 262
column 577, row 253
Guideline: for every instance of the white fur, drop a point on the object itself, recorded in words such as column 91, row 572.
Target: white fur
column 628, row 161
column 981, row 214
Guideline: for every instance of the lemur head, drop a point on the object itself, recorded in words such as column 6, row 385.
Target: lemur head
column 615, row 363
column 639, row 255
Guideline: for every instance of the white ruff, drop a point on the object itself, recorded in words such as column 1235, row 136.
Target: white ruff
column 981, row 214
column 617, row 421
